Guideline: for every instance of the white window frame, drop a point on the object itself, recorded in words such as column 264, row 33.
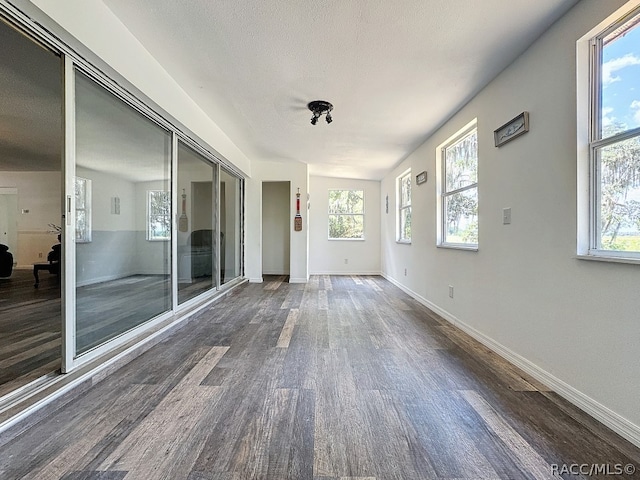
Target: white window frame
column 400, row 238
column 83, row 235
column 441, row 174
column 346, row 214
column 150, row 236
column 589, row 60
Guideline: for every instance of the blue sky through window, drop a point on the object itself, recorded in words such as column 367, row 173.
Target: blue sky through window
column 621, row 82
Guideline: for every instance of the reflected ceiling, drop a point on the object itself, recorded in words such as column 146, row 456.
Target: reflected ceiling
column 30, row 105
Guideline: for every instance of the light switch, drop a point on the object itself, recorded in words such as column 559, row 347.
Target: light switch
column 506, row 216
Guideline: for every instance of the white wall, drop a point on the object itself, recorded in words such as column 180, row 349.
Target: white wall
column 572, row 322
column 328, row 256
column 276, row 248
column 38, row 192
column 112, row 251
column 297, row 174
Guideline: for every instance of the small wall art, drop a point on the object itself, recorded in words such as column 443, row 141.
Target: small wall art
column 512, row 129
column 421, row 178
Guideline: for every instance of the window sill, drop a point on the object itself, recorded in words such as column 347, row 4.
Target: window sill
column 453, row 246
column 346, row 239
column 404, row 242
column 609, row 259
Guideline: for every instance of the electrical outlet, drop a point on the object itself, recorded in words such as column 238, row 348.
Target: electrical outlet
column 40, row 255
column 346, row 261
column 450, row 291
column 405, row 272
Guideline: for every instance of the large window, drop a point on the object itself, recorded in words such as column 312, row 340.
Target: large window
column 158, row 215
column 404, row 207
column 346, row 214
column 615, row 141
column 83, row 209
column 459, row 191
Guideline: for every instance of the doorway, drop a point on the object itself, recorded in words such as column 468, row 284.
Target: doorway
column 9, row 218
column 276, row 231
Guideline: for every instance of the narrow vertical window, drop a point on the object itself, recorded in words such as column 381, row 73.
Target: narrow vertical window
column 459, row 191
column 159, row 217
column 346, row 214
column 615, row 140
column 404, row 207
column 83, row 209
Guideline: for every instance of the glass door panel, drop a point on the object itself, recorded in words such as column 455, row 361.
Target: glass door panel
column 31, row 152
column 230, row 251
column 123, row 216
column 197, row 254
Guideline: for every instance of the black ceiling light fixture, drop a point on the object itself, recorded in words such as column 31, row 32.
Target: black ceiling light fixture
column 318, row 108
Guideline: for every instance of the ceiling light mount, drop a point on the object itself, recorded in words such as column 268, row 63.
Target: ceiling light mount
column 319, row 108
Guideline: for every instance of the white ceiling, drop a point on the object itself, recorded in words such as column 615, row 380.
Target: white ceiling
column 394, row 70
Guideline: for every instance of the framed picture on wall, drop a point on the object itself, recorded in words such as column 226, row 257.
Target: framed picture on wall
column 512, row 129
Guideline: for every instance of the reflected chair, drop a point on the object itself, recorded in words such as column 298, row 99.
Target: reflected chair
column 53, row 265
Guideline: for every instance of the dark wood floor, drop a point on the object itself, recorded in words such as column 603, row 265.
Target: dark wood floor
column 343, row 378
column 30, row 326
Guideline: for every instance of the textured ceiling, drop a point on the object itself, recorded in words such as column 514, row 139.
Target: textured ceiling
column 394, row 70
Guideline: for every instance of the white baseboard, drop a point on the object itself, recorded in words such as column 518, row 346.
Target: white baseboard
column 298, row 280
column 106, row 278
column 329, row 272
column 600, row 412
column 256, row 280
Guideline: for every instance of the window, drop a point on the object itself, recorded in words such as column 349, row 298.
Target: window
column 614, row 164
column 404, row 207
column 346, row 214
column 83, row 209
column 459, row 190
column 159, row 217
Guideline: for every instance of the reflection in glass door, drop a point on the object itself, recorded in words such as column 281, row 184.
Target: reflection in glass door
column 230, row 251
column 197, row 252
column 123, row 216
column 30, row 209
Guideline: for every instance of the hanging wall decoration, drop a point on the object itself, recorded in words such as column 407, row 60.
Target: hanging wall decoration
column 297, row 221
column 512, row 129
column 183, row 221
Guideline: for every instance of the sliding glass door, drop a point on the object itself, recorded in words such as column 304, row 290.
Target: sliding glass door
column 230, row 226
column 30, row 209
column 197, row 246
column 123, row 216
